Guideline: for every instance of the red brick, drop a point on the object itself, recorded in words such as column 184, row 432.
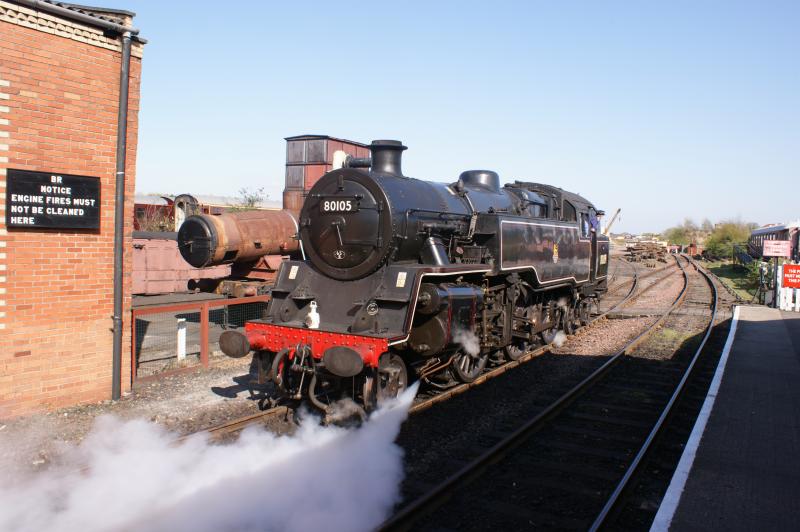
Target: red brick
column 59, row 283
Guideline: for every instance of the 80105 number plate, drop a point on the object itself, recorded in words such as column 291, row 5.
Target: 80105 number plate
column 338, row 205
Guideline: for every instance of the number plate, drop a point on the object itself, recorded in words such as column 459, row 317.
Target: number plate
column 338, row 205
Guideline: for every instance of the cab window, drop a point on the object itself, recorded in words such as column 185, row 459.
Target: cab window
column 570, row 214
column 584, row 225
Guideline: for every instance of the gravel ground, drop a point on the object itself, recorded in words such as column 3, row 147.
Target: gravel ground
column 604, row 338
column 183, row 402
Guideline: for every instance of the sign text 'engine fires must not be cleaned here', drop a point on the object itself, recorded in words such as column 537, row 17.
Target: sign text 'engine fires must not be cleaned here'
column 51, row 200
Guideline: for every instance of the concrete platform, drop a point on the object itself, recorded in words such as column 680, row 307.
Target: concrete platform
column 741, row 466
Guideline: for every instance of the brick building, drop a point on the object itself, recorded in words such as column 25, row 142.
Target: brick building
column 60, row 72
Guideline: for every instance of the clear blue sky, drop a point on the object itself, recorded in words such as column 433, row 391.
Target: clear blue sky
column 666, row 109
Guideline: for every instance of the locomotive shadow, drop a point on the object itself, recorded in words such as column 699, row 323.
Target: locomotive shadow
column 141, row 334
column 247, row 385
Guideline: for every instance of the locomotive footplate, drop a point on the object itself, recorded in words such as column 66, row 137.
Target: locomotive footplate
column 274, row 338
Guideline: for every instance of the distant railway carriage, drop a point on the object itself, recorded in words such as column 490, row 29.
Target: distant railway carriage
column 790, row 231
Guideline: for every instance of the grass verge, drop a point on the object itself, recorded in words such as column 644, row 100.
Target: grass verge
column 734, row 276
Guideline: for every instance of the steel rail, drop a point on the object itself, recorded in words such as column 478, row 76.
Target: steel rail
column 648, row 287
column 728, row 288
column 241, row 423
column 407, row 515
column 617, row 287
column 614, row 499
column 218, row 431
column 632, row 289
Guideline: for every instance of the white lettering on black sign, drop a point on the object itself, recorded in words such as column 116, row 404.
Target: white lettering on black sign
column 339, row 205
column 49, row 200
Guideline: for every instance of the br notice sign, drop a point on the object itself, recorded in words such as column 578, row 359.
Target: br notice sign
column 48, row 200
column 777, row 248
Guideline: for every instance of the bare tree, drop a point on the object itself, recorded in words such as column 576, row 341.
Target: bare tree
column 250, row 198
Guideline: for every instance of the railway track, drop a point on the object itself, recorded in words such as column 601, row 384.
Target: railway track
column 645, row 282
column 433, row 397
column 570, row 466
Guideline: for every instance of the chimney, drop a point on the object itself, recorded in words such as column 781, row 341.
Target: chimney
column 386, row 156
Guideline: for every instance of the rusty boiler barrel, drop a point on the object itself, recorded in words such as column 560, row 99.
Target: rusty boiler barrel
column 208, row 240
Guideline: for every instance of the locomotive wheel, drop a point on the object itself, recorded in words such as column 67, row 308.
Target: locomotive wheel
column 392, row 377
column 571, row 321
column 280, row 367
column 555, row 315
column 289, row 382
column 518, row 347
column 584, row 310
column 467, row 368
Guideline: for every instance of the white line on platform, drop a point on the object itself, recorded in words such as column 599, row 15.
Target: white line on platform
column 672, row 497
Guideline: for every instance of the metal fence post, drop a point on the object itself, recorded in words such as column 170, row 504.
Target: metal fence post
column 204, row 308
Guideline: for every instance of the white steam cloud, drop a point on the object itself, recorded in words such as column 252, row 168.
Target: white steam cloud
column 468, row 341
column 132, row 476
column 560, row 338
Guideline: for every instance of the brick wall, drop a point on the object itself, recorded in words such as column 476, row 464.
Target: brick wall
column 58, row 112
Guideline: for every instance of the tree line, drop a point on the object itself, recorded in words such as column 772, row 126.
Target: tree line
column 718, row 239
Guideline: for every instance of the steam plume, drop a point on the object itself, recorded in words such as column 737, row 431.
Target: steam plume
column 131, row 476
column 468, row 341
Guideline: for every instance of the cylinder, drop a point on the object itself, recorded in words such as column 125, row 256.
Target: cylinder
column 209, row 240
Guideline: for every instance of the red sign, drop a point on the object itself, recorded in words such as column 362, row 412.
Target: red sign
column 791, row 275
column 777, row 248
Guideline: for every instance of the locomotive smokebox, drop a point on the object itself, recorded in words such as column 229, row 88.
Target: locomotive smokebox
column 208, row 240
column 387, row 156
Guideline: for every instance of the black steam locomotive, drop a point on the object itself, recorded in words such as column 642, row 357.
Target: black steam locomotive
column 408, row 279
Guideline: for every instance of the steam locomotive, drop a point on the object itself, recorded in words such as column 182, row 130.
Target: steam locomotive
column 404, row 279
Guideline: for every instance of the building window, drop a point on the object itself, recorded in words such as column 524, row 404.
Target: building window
column 295, row 176
column 315, row 151
column 296, row 151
